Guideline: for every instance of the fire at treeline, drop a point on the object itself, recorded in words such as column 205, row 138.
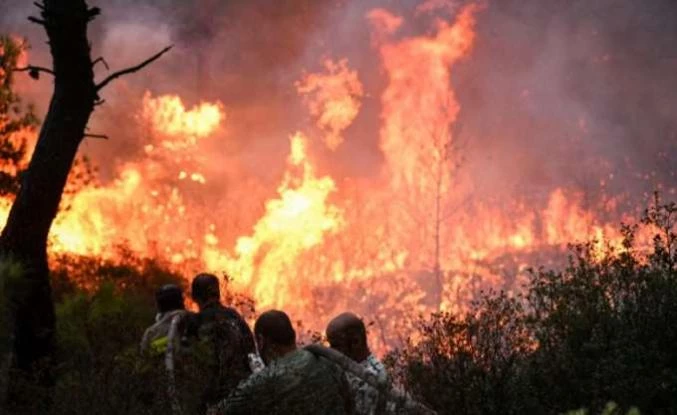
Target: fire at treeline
column 384, row 173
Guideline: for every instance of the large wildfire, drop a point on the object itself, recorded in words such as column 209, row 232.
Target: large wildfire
column 412, row 238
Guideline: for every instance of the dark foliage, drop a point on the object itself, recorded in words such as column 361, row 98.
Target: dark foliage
column 16, row 120
column 601, row 330
column 98, row 330
column 102, row 309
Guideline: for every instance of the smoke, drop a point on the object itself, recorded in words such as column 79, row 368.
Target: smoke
column 572, row 94
column 550, row 85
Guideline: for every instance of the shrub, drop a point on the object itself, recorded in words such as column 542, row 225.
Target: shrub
column 602, row 329
column 103, row 308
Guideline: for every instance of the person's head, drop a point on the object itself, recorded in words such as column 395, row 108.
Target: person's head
column 275, row 336
column 347, row 334
column 205, row 289
column 169, row 298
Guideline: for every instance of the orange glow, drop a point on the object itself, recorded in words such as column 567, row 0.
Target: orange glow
column 167, row 115
column 407, row 240
column 333, row 99
column 294, row 222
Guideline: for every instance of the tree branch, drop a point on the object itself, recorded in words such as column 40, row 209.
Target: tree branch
column 101, row 136
column 132, row 69
column 92, row 13
column 37, row 21
column 34, row 71
column 102, row 60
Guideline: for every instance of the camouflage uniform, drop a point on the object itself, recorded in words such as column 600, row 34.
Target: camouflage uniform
column 368, row 401
column 223, row 342
column 298, row 383
column 155, row 339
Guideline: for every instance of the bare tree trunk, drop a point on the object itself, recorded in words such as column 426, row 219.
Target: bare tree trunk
column 439, row 282
column 24, row 237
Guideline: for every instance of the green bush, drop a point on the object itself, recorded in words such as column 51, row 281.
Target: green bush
column 103, row 308
column 600, row 330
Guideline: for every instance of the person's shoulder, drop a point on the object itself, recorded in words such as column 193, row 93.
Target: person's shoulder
column 231, row 312
column 322, row 365
column 180, row 314
column 373, row 362
column 375, row 366
column 263, row 379
column 304, row 357
column 189, row 317
column 210, row 315
column 218, row 312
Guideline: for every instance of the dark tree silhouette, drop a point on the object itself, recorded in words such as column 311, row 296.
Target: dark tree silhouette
column 24, row 238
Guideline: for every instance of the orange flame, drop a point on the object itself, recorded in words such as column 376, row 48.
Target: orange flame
column 180, row 128
column 143, row 205
column 419, row 103
column 333, row 98
column 296, row 221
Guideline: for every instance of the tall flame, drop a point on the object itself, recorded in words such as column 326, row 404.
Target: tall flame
column 294, row 222
column 419, row 104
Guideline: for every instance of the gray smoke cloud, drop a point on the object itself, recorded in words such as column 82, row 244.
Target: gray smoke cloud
column 572, row 94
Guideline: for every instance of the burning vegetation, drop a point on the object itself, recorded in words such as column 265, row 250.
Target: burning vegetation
column 395, row 174
column 412, row 238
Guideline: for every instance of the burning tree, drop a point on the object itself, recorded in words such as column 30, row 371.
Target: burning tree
column 445, row 160
column 420, row 111
column 24, row 238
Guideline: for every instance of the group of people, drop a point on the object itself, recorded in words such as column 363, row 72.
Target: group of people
column 265, row 372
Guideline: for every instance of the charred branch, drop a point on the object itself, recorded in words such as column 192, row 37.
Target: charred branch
column 132, row 69
column 92, row 13
column 101, row 136
column 37, row 21
column 102, row 60
column 34, row 71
